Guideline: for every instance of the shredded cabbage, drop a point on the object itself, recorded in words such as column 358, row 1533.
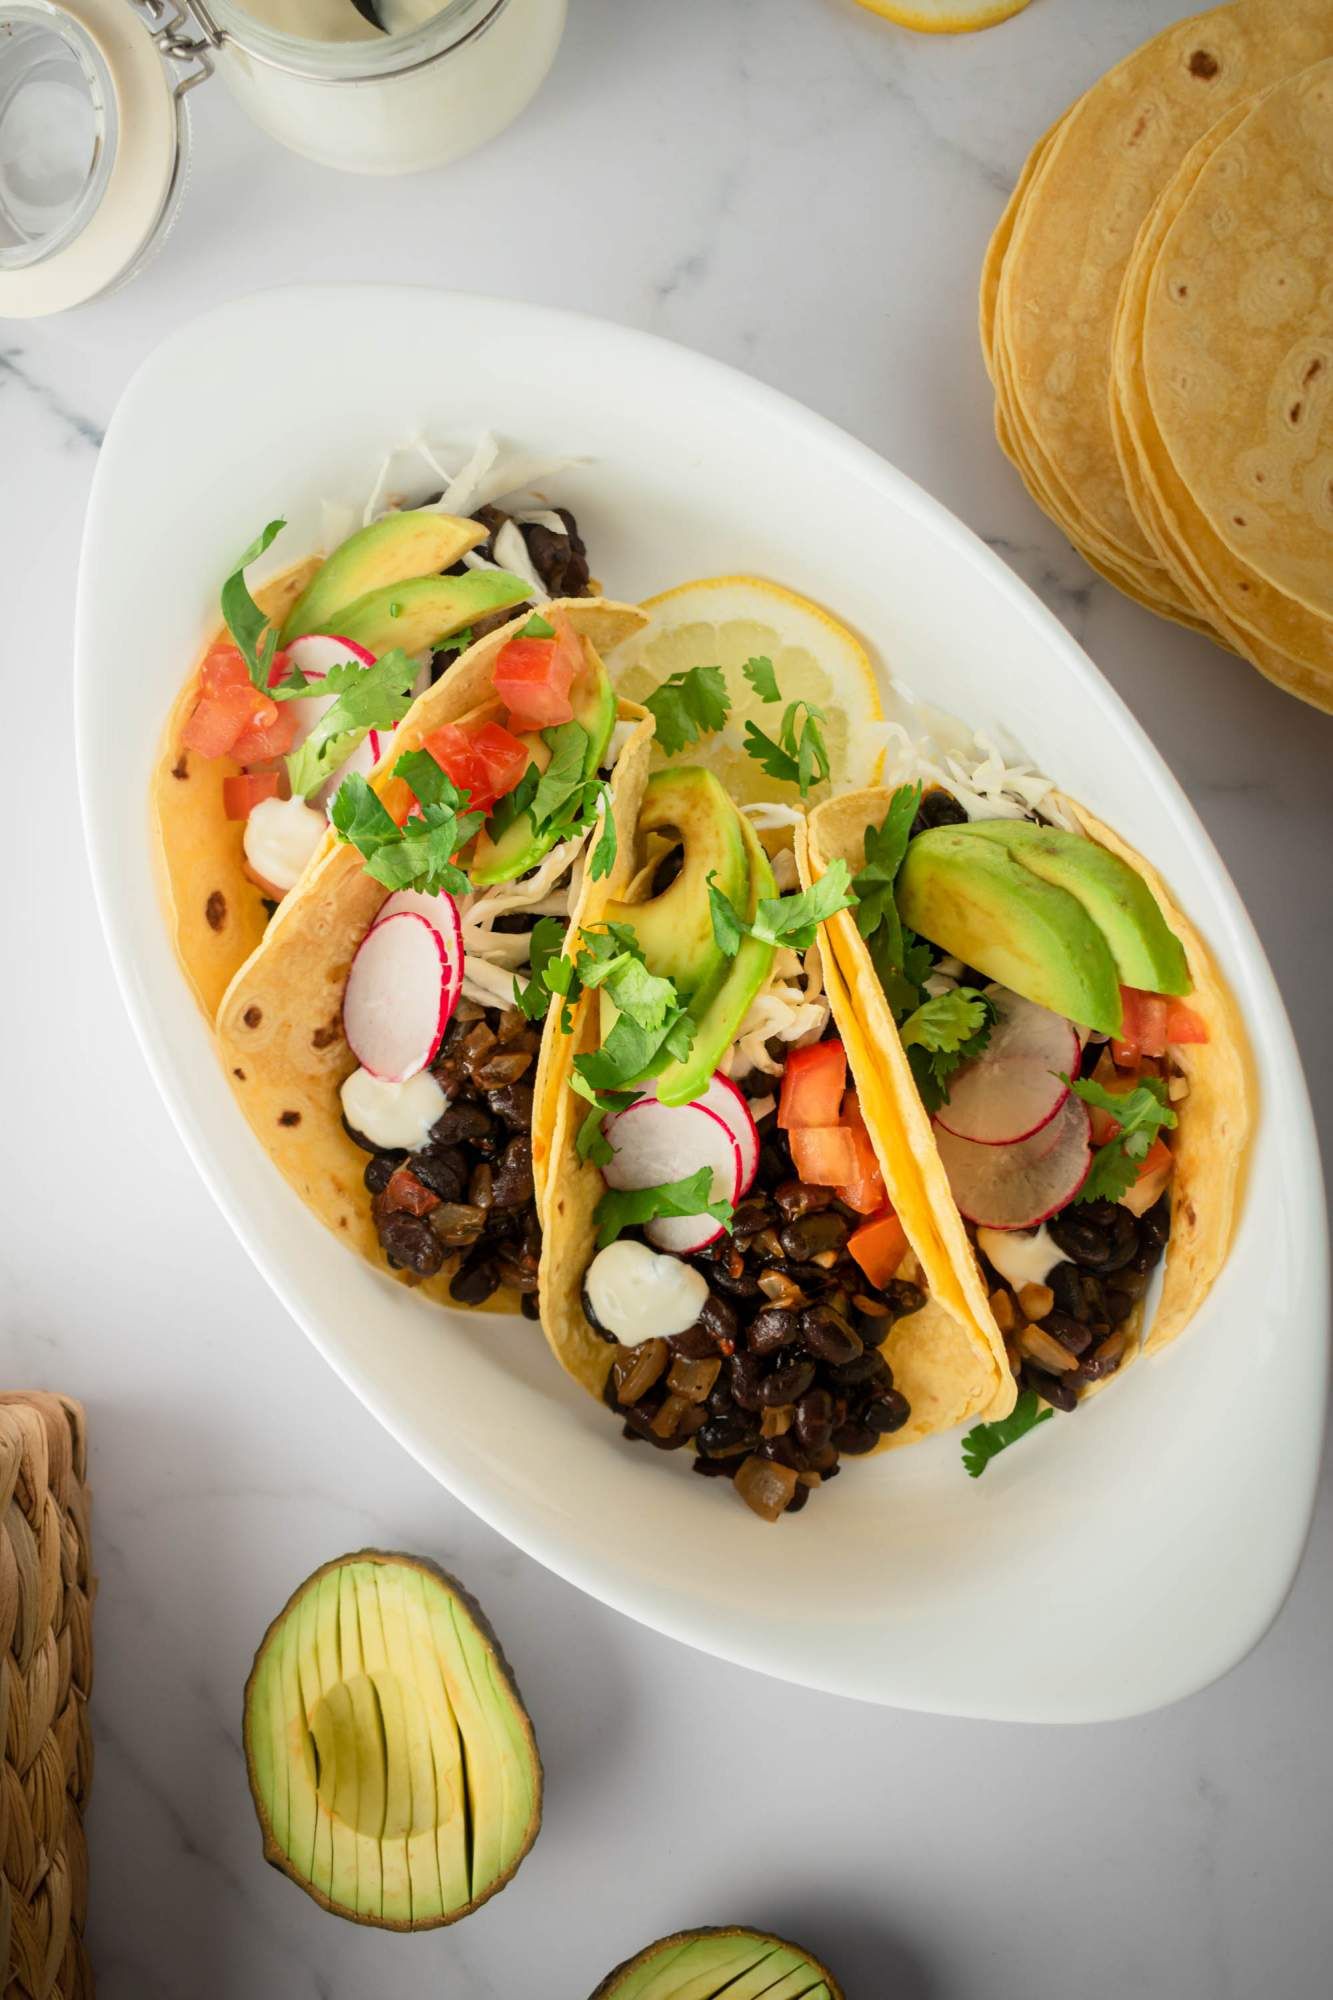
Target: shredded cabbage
column 490, row 957
column 791, row 1008
column 974, row 770
column 488, row 474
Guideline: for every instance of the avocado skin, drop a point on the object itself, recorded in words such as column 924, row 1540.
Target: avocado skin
column 700, row 1964
column 336, row 1659
column 716, row 1026
column 675, row 929
column 415, row 542
column 519, row 848
column 429, row 609
column 1148, row 954
column 974, row 900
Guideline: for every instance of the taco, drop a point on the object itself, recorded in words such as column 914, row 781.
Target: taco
column 1069, row 1074
column 733, row 1258
column 380, row 1040
column 249, row 759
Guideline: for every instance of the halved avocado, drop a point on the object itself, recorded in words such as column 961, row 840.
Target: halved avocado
column 1147, row 952
column 675, row 929
column 391, row 1761
column 973, row 899
column 412, row 543
column 715, row 1027
column 740, row 1964
column 519, row 847
column 418, row 614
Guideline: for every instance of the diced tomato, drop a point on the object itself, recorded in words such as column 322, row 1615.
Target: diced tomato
column 826, row 1155
column 504, row 756
column 483, row 759
column 851, row 1110
column 404, row 1191
column 223, row 667
column 270, row 736
column 454, row 751
column 1183, row 1024
column 533, row 677
column 813, row 1083
column 867, row 1192
column 1157, row 1157
column 219, row 719
column 242, row 794
column 1142, row 1028
column 879, row 1247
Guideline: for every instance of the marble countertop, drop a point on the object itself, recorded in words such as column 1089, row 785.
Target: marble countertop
column 805, row 191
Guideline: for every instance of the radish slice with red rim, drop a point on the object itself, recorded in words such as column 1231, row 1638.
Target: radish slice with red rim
column 726, row 1102
column 314, row 655
column 400, row 992
column 653, row 1144
column 1019, row 1186
column 442, row 913
column 1014, row 1087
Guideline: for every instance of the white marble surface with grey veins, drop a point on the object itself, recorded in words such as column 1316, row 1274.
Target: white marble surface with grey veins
column 805, row 191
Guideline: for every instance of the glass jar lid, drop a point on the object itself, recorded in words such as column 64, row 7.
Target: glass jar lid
column 93, row 147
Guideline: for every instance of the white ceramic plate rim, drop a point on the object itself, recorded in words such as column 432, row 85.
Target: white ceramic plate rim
column 635, row 358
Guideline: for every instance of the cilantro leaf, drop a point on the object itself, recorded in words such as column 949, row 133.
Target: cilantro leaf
column 786, row 921
column 901, row 963
column 984, row 1441
column 942, row 1034
column 417, row 855
column 244, row 619
column 563, row 776
column 427, row 780
column 514, row 804
column 1141, row 1113
column 546, row 943
column 374, row 697
column 800, row 755
column 689, row 705
column 592, row 1142
column 603, row 858
column 759, row 673
column 538, row 627
column 456, row 642
column 622, row 1208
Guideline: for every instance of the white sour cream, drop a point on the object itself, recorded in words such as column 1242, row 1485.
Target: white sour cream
column 640, row 1294
column 280, row 837
column 392, row 1115
column 1022, row 1257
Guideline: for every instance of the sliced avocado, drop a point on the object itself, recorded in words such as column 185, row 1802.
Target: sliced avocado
column 703, row 1964
column 519, row 848
column 412, row 543
column 418, row 614
column 675, row 929
column 1147, row 952
column 716, row 1026
column 391, row 1761
column 973, row 899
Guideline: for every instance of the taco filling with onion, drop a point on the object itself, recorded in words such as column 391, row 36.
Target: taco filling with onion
column 731, row 1261
column 1069, row 1069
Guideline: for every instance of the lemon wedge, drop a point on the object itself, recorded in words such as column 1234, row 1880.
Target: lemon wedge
column 725, row 621
column 945, row 17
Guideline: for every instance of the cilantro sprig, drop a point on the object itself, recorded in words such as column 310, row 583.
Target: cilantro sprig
column 1141, row 1113
column 799, row 755
column 942, row 1034
column 420, row 853
column 691, row 704
column 792, row 921
column 256, row 639
column 986, row 1441
column 622, row 1208
column 651, row 1028
column 901, row 961
column 759, row 673
column 365, row 698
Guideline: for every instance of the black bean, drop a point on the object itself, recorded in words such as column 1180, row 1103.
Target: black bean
column 745, row 1373
column 1052, row 1389
column 461, row 1121
column 814, row 1234
column 795, row 1199
column 753, row 1215
column 714, row 1468
column 1099, row 1236
column 410, row 1242
column 867, row 1367
column 1072, row 1335
column 788, row 1381
column 829, row 1337
column 813, row 1422
column 442, row 1169
column 726, row 1437
column 718, row 1318
column 474, row 1280
column 530, row 1306
column 774, row 1162
column 1076, row 1292
column 695, row 1344
column 1119, row 1304
column 903, row 1297
column 798, row 1500
column 887, row 1413
column 854, row 1438
column 513, row 1106
column 381, row 1169
column 1156, row 1224
column 513, row 1181
column 775, row 1327
column 359, row 1138
column 781, row 1451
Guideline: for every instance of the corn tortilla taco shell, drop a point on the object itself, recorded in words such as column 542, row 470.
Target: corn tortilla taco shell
column 949, row 1368
column 1214, row 1119
column 279, row 1026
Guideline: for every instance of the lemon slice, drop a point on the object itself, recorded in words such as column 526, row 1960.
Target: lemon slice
column 723, row 621
column 945, row 17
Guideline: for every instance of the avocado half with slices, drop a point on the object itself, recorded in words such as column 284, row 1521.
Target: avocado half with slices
column 418, row 614
column 739, row 1964
column 415, row 542
column 391, row 1761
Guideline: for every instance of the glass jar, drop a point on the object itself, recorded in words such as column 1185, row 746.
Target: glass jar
column 94, row 126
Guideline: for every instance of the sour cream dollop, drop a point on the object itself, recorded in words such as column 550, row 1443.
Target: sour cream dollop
column 280, row 837
column 641, row 1294
column 1021, row 1257
column 392, row 1116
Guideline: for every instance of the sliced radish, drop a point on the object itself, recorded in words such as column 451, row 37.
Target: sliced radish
column 726, row 1102
column 399, row 995
column 1014, row 1088
column 319, row 651
column 654, row 1143
column 1019, row 1186
column 441, row 912
column 314, row 655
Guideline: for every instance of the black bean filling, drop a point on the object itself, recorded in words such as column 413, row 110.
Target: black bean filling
column 561, row 561
column 1072, row 1331
column 781, row 1376
column 468, row 1193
